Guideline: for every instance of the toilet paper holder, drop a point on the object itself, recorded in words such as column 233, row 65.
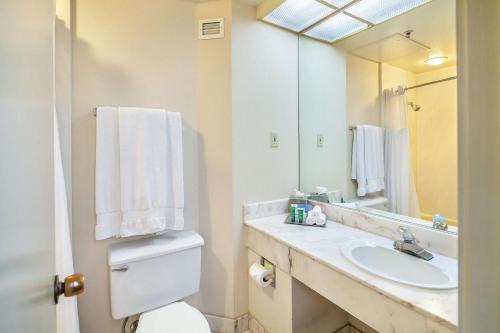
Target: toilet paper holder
column 270, row 266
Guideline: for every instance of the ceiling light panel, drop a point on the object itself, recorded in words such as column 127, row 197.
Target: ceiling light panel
column 377, row 11
column 336, row 27
column 297, row 15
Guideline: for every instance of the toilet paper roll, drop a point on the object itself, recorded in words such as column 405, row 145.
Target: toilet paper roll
column 261, row 275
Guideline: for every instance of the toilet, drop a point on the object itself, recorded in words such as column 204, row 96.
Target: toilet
column 151, row 276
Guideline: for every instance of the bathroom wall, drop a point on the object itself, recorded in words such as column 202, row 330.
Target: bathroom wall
column 62, row 85
column 435, row 127
column 322, row 103
column 137, row 53
column 264, row 88
column 213, row 98
column 478, row 34
column 392, row 77
column 148, row 54
column 363, row 106
column 366, row 80
column 433, row 130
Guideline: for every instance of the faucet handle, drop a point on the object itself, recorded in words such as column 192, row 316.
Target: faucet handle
column 439, row 222
column 408, row 237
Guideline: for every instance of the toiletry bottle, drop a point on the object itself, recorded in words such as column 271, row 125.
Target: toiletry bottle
column 301, row 213
column 293, row 210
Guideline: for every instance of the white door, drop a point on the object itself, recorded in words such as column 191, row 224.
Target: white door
column 26, row 167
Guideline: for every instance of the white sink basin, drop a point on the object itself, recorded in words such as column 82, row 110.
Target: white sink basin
column 379, row 258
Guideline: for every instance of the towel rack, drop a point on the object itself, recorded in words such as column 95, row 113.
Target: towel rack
column 352, row 128
column 94, row 112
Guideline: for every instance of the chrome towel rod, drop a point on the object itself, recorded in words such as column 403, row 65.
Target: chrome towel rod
column 431, row 82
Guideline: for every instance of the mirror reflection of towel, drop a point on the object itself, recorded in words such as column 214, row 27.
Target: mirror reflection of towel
column 368, row 159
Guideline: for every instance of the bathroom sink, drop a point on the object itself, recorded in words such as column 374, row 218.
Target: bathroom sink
column 379, row 258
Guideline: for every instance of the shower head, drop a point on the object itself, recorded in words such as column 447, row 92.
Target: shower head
column 414, row 107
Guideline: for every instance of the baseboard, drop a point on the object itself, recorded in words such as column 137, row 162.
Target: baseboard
column 254, row 326
column 227, row 325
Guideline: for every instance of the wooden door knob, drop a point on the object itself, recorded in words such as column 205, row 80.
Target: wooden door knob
column 73, row 285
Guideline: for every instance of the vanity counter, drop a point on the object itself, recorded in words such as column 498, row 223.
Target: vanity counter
column 438, row 309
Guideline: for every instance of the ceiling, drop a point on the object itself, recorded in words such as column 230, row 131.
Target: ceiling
column 433, row 25
column 253, row 3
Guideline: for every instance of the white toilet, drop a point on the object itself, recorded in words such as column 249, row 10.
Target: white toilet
column 149, row 276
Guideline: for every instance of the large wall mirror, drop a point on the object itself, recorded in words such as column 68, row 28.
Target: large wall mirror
column 378, row 117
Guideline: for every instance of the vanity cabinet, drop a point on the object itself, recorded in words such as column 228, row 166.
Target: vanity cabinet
column 311, row 296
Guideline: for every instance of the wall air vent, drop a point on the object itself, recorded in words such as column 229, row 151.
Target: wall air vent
column 211, row 28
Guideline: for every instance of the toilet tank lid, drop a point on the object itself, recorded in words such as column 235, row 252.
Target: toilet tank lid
column 141, row 249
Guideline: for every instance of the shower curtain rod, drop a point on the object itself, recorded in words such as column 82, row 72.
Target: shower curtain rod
column 431, row 82
column 352, row 128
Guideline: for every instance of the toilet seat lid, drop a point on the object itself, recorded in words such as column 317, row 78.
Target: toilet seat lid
column 173, row 318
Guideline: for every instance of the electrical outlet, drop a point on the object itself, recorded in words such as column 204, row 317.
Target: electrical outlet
column 320, row 140
column 274, row 140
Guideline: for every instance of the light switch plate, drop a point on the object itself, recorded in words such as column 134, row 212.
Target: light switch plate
column 320, row 140
column 274, row 140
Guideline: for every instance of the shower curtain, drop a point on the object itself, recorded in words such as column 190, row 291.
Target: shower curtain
column 399, row 184
column 66, row 310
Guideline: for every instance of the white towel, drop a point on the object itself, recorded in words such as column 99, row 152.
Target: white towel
column 368, row 159
column 139, row 178
column 316, row 216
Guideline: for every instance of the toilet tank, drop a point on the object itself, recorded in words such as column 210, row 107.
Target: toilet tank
column 149, row 273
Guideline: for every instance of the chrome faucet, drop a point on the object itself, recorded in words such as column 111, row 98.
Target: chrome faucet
column 409, row 245
column 439, row 222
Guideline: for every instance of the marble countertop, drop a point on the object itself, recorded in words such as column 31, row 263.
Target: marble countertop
column 323, row 245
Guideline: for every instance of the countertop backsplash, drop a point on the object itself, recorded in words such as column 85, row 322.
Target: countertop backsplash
column 432, row 240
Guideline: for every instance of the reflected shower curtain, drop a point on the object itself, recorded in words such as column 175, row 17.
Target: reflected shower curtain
column 399, row 184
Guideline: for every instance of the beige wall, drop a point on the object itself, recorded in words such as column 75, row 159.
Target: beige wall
column 433, row 130
column 322, row 102
column 133, row 53
column 213, row 98
column 435, row 141
column 363, row 105
column 264, row 88
column 478, row 31
column 62, row 84
column 366, row 80
column 148, row 54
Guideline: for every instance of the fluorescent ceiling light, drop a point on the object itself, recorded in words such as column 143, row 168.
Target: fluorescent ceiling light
column 434, row 61
column 336, row 27
column 377, row 11
column 297, row 15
